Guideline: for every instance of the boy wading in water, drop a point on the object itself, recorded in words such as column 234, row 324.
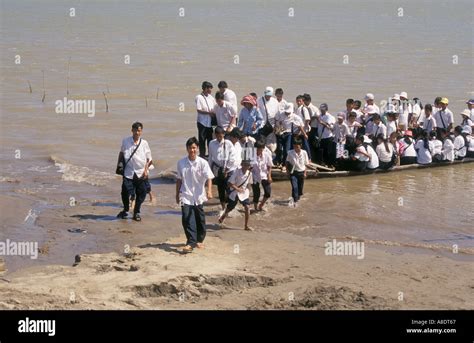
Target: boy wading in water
column 193, row 174
column 296, row 161
column 238, row 183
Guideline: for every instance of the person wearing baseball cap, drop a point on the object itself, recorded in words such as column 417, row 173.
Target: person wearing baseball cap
column 444, row 117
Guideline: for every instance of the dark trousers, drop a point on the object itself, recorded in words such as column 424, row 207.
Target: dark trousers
column 131, row 187
column 267, row 190
column 297, row 184
column 279, row 151
column 222, row 184
column 286, row 143
column 204, row 137
column 329, row 150
column 312, row 138
column 194, row 223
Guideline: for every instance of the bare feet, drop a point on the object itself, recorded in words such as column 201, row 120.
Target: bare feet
column 187, row 249
column 260, row 207
column 200, row 245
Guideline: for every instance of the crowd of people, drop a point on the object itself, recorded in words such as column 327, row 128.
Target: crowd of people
column 236, row 150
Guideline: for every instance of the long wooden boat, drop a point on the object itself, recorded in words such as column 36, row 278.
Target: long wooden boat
column 278, row 175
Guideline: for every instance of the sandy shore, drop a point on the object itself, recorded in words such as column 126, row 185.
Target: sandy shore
column 265, row 269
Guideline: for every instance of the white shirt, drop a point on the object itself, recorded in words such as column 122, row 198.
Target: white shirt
column 298, row 161
column 229, row 96
column 137, row 163
column 330, row 120
column 459, row 146
column 382, row 153
column 237, row 155
column 358, row 154
column 353, row 127
column 225, row 114
column 205, row 103
column 429, row 124
column 273, row 107
column 443, row 118
column 448, row 150
column 408, row 148
column 376, row 108
column 239, row 179
column 260, row 167
column 437, row 146
column 286, row 122
column 379, row 129
column 193, row 175
column 391, row 127
column 374, row 159
column 405, row 110
column 221, row 154
column 423, row 155
column 340, row 132
column 471, row 143
column 303, row 113
column 282, row 105
column 314, row 113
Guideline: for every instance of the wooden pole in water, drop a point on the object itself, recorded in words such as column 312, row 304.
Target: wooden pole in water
column 106, row 103
column 44, row 91
column 157, row 91
column 29, row 85
column 146, row 102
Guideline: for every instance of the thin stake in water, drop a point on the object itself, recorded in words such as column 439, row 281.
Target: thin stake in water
column 106, row 103
column 44, row 91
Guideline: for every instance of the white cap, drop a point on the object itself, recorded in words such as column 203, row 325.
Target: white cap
column 370, row 109
column 369, row 96
column 269, row 91
column 404, row 95
column 396, row 96
column 289, row 107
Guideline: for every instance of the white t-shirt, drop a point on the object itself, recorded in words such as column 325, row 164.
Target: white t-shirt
column 225, row 114
column 353, row 127
column 282, row 105
column 205, row 103
column 340, row 132
column 391, row 127
column 423, row 154
column 376, row 108
column 437, row 146
column 238, row 178
column 443, row 118
column 408, row 148
column 448, row 150
column 194, row 175
column 221, row 154
column 471, row 143
column 359, row 153
column 298, row 161
column 137, row 163
column 286, row 122
column 379, row 129
column 374, row 159
column 273, row 107
column 229, row 96
column 303, row 113
column 260, row 167
column 459, row 146
column 314, row 113
column 429, row 124
column 382, row 153
column 330, row 120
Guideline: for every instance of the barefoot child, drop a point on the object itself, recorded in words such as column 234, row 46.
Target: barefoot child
column 296, row 161
column 261, row 174
column 238, row 183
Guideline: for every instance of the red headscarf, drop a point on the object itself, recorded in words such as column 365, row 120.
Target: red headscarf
column 248, row 99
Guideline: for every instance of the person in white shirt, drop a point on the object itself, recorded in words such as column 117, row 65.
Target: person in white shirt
column 288, row 124
column 205, row 104
column 385, row 153
column 325, row 131
column 314, row 115
column 466, row 119
column 370, row 101
column 460, row 143
column 369, row 119
column 268, row 106
column 135, row 155
column 229, row 95
column 424, row 149
column 437, row 147
column 238, row 183
column 262, row 174
column 222, row 162
column 357, row 109
column 444, row 117
column 408, row 152
column 281, row 109
column 361, row 157
column 377, row 128
column 467, row 133
column 341, row 131
column 353, row 124
column 296, row 161
column 405, row 111
column 225, row 113
column 349, row 109
column 281, row 102
column 470, row 107
column 193, row 174
column 416, row 109
column 303, row 112
column 429, row 122
column 392, row 125
column 448, row 147
column 373, row 162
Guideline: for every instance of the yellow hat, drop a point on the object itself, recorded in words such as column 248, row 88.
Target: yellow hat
column 444, row 101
